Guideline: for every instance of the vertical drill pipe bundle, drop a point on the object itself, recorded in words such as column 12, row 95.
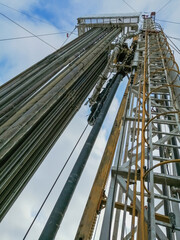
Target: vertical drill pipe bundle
column 37, row 105
column 21, row 88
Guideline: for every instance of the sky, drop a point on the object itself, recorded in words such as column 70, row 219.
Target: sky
column 16, row 55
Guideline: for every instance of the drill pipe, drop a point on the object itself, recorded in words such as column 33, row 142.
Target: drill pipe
column 21, row 165
column 57, row 214
column 18, row 126
column 18, row 100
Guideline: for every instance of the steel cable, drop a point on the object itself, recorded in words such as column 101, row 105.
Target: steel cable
column 36, row 149
column 51, row 93
column 163, row 6
column 30, row 16
column 47, row 62
column 57, row 178
column 25, row 37
column 32, row 87
column 129, row 6
column 27, row 31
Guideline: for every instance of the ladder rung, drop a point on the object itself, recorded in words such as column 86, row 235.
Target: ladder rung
column 162, row 106
column 157, row 158
column 166, row 145
column 167, row 133
column 161, row 100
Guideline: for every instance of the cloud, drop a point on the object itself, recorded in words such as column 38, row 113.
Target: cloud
column 20, row 4
column 31, row 198
column 15, row 57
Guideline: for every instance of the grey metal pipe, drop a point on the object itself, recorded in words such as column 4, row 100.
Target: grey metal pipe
column 21, row 165
column 57, row 214
column 46, row 101
column 17, row 100
column 43, row 70
column 80, row 92
column 31, row 112
column 72, row 71
column 33, row 69
column 16, row 162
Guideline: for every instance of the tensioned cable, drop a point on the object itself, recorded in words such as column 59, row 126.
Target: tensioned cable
column 29, row 15
column 175, row 38
column 167, row 21
column 68, row 36
column 27, row 31
column 57, row 178
column 26, row 14
column 129, row 6
column 174, row 48
column 173, row 43
column 163, row 6
column 39, row 35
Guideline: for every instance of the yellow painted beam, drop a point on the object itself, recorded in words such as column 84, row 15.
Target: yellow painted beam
column 158, row 217
column 96, row 195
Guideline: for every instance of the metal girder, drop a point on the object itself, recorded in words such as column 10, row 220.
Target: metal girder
column 160, row 196
column 156, row 108
column 120, row 206
column 160, row 141
column 54, row 221
column 108, row 215
column 159, row 233
column 159, row 178
column 108, row 20
column 167, row 225
column 161, row 121
column 128, row 236
column 96, row 194
column 39, row 103
column 106, row 226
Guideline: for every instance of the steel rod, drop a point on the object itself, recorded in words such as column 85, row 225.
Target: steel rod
column 20, row 166
column 57, row 214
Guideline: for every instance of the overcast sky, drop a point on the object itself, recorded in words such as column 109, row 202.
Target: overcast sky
column 16, row 55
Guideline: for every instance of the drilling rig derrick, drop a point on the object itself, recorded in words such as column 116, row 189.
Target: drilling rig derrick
column 142, row 155
column 138, row 203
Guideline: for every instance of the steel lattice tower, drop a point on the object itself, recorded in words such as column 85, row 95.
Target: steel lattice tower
column 142, row 155
column 144, row 188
